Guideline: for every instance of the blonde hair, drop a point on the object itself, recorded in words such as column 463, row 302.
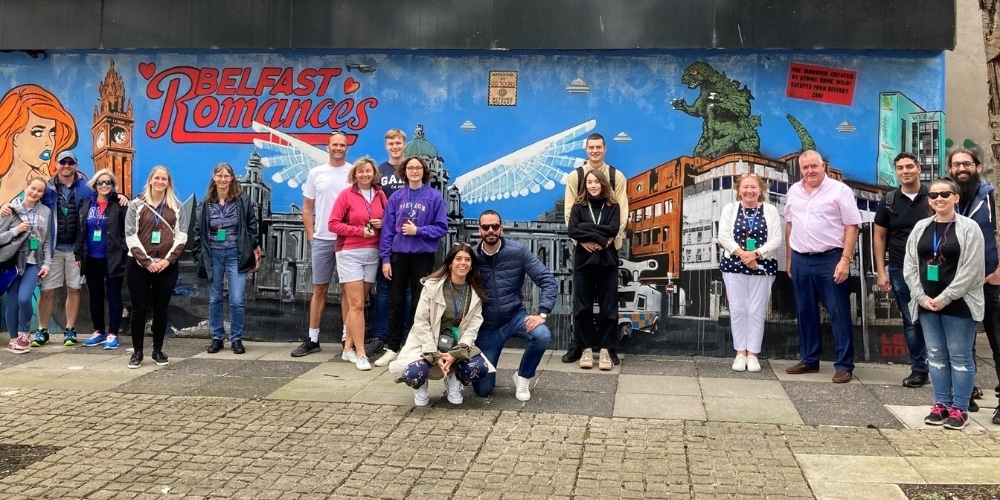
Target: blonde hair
column 352, row 174
column 761, row 183
column 395, row 133
column 168, row 195
column 98, row 174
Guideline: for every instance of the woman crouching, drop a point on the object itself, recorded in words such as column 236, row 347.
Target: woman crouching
column 441, row 343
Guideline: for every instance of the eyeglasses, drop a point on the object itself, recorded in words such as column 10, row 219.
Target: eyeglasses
column 944, row 194
column 223, row 176
column 966, row 164
column 490, row 227
column 417, row 168
column 104, row 183
column 68, row 162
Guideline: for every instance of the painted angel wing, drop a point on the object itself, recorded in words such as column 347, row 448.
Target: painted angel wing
column 294, row 156
column 528, row 170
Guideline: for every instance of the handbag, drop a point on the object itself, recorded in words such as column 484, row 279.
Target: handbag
column 448, row 338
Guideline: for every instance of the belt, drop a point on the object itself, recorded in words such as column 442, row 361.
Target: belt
column 820, row 254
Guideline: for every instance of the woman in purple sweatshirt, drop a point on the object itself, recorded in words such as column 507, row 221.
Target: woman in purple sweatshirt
column 414, row 223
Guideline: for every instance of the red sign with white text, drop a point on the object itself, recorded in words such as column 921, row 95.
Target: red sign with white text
column 818, row 83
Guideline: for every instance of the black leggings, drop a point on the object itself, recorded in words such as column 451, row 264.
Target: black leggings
column 407, row 271
column 149, row 289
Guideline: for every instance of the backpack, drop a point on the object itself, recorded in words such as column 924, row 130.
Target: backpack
column 612, row 173
column 890, row 197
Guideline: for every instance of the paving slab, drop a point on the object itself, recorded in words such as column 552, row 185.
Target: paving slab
column 750, row 389
column 825, row 468
column 547, row 399
column 723, row 368
column 838, row 490
column 22, row 378
column 283, row 352
column 658, row 384
column 677, row 366
column 659, row 406
column 905, row 396
column 971, row 470
column 839, row 404
column 871, row 374
column 320, row 383
column 752, row 410
column 92, row 380
column 824, row 375
column 583, row 381
column 9, row 359
column 913, row 418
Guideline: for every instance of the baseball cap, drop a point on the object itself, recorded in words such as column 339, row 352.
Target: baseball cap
column 67, row 154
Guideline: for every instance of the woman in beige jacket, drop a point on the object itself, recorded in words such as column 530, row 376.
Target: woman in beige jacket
column 441, row 343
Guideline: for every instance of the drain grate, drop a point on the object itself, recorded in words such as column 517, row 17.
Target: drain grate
column 14, row 457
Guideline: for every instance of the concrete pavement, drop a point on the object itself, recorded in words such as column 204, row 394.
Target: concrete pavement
column 79, row 424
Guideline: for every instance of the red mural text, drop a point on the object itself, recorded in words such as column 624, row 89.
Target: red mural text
column 220, row 105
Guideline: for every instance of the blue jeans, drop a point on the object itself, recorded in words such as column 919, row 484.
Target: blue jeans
column 224, row 266
column 19, row 300
column 491, row 342
column 912, row 332
column 812, row 280
column 380, row 327
column 949, row 357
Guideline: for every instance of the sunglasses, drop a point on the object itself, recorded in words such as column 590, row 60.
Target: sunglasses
column 490, row 227
column 67, row 162
column 104, row 183
column 944, row 194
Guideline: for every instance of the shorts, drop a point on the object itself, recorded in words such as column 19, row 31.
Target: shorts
column 358, row 264
column 63, row 270
column 324, row 260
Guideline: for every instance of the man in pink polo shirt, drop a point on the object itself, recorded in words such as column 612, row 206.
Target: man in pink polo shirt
column 821, row 231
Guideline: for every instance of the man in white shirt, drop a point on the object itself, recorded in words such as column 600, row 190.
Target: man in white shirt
column 324, row 184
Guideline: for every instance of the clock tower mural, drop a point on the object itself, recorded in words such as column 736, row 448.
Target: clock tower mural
column 112, row 131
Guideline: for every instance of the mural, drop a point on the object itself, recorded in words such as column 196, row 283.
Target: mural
column 499, row 131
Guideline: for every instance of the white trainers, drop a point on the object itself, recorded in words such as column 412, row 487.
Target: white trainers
column 350, row 356
column 386, row 358
column 363, row 364
column 740, row 364
column 420, row 397
column 752, row 364
column 453, row 389
column 522, row 387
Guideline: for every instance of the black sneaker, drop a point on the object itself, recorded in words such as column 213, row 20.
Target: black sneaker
column 307, row 347
column 160, row 358
column 215, row 346
column 572, row 354
column 973, row 406
column 136, row 360
column 996, row 415
column 938, row 415
column 977, row 393
column 916, row 379
column 957, row 419
column 614, row 357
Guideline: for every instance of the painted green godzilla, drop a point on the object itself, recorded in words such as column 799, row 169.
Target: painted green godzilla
column 724, row 107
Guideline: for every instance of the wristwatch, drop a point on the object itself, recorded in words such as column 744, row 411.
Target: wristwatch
column 543, row 315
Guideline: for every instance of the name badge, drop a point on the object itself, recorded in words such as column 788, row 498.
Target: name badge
column 32, row 243
column 220, row 235
column 155, row 237
column 751, row 244
column 932, row 272
column 97, row 234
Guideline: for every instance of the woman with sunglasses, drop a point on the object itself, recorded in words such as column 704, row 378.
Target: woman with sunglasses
column 442, row 341
column 415, row 221
column 593, row 224
column 100, row 252
column 944, row 270
column 226, row 247
column 155, row 232
column 32, row 261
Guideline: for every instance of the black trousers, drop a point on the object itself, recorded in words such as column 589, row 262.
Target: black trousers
column 991, row 323
column 407, row 271
column 602, row 283
column 149, row 289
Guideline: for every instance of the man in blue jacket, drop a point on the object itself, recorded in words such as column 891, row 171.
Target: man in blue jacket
column 503, row 264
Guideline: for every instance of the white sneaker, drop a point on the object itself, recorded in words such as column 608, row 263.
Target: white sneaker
column 752, row 364
column 453, row 389
column 740, row 364
column 363, row 364
column 343, row 335
column 522, row 387
column 386, row 358
column 350, row 356
column 420, row 397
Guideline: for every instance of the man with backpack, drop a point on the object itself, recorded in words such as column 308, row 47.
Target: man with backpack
column 895, row 217
column 596, row 149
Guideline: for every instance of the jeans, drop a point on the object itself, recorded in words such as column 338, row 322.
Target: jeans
column 912, row 331
column 99, row 285
column 407, row 271
column 949, row 357
column 20, row 295
column 380, row 325
column 467, row 371
column 812, row 280
column 491, row 342
column 225, row 266
column 602, row 283
column 149, row 289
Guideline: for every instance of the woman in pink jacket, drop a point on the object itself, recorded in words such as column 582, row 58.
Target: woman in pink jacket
column 356, row 219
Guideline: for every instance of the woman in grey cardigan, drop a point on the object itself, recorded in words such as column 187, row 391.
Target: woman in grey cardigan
column 944, row 270
column 32, row 261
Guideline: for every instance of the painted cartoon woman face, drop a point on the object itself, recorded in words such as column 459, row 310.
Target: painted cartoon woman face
column 33, row 145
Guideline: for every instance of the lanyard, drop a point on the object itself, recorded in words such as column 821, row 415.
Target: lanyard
column 101, row 215
column 751, row 221
column 158, row 214
column 457, row 306
column 31, row 214
column 936, row 243
column 597, row 218
column 368, row 200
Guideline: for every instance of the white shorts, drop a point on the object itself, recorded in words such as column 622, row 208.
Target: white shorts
column 357, row 264
column 63, row 270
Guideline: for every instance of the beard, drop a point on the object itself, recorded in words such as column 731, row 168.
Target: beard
column 968, row 188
